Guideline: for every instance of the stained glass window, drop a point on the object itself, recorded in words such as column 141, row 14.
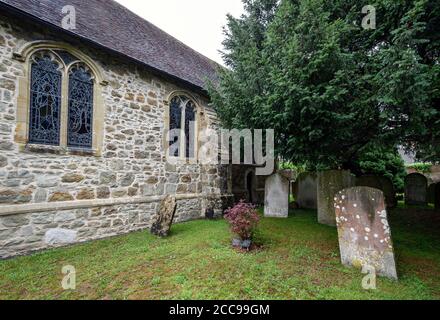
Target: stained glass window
column 175, row 123
column 80, row 114
column 190, row 117
column 66, row 56
column 181, row 108
column 45, row 101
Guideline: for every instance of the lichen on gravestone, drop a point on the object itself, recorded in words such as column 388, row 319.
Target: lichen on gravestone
column 363, row 230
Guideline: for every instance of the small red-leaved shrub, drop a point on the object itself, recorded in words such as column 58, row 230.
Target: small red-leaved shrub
column 243, row 219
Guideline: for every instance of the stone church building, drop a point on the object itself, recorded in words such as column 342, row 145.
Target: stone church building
column 83, row 117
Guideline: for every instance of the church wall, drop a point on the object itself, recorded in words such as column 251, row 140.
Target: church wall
column 51, row 198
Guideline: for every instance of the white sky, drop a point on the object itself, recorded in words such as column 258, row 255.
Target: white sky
column 197, row 23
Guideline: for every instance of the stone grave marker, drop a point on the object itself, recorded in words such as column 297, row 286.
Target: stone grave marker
column 437, row 196
column 430, row 197
column 330, row 183
column 433, row 180
column 416, row 189
column 307, row 191
column 382, row 183
column 363, row 230
column 276, row 202
column 164, row 218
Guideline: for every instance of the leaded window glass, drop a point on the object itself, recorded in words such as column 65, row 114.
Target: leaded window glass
column 45, row 100
column 190, row 117
column 175, row 123
column 80, row 112
column 182, row 117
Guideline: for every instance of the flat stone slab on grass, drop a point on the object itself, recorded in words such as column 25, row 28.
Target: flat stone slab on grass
column 276, row 203
column 329, row 184
column 363, row 230
column 164, row 219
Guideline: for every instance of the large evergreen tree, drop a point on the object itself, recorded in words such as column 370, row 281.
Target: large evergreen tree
column 330, row 88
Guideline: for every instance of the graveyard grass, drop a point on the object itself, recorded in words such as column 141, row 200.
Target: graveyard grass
column 299, row 260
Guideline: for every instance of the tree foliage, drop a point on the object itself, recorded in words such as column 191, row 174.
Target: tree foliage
column 328, row 87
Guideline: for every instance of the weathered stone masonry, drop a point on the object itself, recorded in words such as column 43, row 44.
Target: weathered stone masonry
column 80, row 197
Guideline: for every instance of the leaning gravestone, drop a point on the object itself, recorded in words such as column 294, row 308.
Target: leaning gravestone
column 164, row 219
column 276, row 202
column 307, row 191
column 363, row 230
column 330, row 183
column 382, row 183
column 416, row 189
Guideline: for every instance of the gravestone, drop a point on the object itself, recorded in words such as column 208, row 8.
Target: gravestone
column 416, row 189
column 363, row 230
column 433, row 180
column 307, row 191
column 382, row 183
column 330, row 183
column 437, row 196
column 430, row 198
column 276, row 202
column 164, row 218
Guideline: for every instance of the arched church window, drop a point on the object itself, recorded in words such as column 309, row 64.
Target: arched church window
column 80, row 113
column 53, row 119
column 45, row 99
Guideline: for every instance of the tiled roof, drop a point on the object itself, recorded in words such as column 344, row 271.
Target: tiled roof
column 111, row 25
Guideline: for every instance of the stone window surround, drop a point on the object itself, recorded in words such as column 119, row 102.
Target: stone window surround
column 199, row 113
column 24, row 55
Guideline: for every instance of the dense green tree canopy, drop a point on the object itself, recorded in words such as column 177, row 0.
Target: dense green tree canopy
column 330, row 88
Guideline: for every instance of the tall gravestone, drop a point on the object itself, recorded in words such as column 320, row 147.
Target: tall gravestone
column 276, row 202
column 329, row 184
column 416, row 189
column 437, row 196
column 382, row 183
column 431, row 193
column 307, row 190
column 363, row 230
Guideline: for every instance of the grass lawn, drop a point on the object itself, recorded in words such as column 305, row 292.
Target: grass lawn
column 299, row 260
